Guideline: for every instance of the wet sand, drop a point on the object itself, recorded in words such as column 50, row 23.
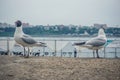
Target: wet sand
column 56, row 68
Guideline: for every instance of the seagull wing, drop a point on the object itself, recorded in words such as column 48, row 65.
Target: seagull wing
column 28, row 39
column 96, row 42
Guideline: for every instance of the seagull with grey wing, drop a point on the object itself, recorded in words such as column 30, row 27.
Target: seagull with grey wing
column 95, row 43
column 25, row 40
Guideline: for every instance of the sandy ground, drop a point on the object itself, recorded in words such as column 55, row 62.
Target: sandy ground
column 54, row 68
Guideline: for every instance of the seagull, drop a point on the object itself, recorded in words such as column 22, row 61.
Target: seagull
column 95, row 43
column 25, row 40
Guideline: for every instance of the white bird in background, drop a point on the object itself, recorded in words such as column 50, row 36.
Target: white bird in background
column 25, row 40
column 95, row 43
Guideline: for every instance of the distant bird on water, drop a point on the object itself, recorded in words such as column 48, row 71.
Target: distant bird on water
column 95, row 43
column 25, row 40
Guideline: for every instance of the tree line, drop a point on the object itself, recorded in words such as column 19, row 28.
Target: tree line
column 59, row 31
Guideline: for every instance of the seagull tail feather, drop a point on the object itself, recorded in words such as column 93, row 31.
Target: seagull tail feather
column 41, row 44
column 79, row 44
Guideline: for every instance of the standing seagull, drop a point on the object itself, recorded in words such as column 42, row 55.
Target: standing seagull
column 95, row 43
column 23, row 39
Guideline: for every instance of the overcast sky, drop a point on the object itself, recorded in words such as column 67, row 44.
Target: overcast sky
column 77, row 12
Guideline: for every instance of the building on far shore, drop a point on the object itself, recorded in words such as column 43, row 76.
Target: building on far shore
column 4, row 25
column 100, row 26
column 26, row 25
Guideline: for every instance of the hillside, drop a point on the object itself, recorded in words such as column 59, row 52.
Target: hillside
column 54, row 68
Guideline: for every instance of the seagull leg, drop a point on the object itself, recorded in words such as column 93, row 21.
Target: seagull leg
column 97, row 53
column 24, row 52
column 28, row 52
column 93, row 54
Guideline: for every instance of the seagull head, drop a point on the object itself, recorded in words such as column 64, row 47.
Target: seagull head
column 101, row 32
column 18, row 23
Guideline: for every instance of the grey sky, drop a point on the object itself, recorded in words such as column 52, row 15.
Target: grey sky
column 78, row 12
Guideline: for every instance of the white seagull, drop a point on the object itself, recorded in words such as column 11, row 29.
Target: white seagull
column 95, row 43
column 25, row 40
